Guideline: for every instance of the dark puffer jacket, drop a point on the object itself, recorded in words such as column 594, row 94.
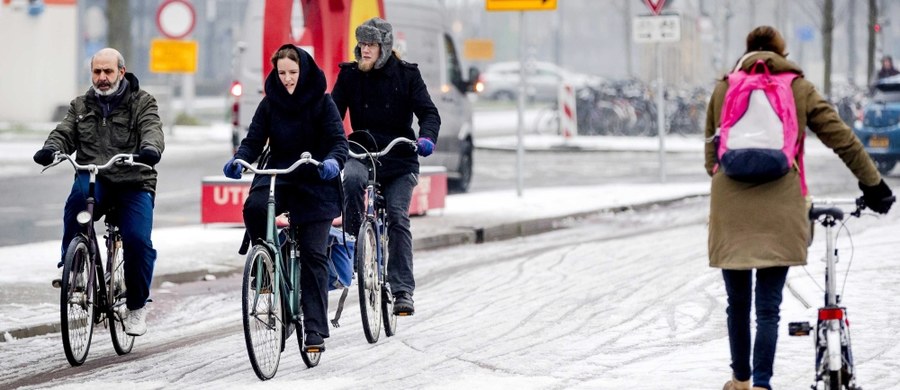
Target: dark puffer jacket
column 131, row 126
column 383, row 101
column 305, row 121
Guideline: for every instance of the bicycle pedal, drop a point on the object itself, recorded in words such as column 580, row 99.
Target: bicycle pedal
column 314, row 349
column 799, row 328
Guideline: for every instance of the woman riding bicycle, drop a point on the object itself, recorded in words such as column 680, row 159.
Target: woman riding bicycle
column 764, row 225
column 295, row 116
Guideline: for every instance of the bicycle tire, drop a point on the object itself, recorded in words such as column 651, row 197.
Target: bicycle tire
column 262, row 313
column 387, row 301
column 76, row 312
column 833, row 382
column 122, row 342
column 311, row 359
column 367, row 280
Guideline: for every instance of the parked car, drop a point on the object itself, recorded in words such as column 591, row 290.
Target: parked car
column 879, row 129
column 500, row 80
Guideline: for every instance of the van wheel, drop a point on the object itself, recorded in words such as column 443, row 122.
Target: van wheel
column 885, row 166
column 461, row 184
column 505, row 96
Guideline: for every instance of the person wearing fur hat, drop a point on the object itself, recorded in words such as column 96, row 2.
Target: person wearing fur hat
column 382, row 93
column 744, row 241
column 297, row 116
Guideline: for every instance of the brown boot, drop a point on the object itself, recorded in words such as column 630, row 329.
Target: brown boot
column 735, row 384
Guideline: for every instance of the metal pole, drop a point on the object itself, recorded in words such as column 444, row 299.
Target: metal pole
column 660, row 115
column 520, row 148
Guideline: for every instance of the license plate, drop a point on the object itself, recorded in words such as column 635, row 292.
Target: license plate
column 879, row 142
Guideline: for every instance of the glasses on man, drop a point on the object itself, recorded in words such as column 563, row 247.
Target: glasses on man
column 370, row 45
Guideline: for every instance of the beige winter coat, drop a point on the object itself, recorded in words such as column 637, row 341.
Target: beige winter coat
column 766, row 225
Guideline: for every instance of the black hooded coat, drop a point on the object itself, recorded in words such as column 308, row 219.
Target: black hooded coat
column 305, row 121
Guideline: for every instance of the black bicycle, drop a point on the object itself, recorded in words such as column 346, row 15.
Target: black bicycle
column 271, row 288
column 376, row 302
column 89, row 293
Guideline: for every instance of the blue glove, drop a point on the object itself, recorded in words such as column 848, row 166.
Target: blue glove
column 425, row 146
column 329, row 169
column 232, row 170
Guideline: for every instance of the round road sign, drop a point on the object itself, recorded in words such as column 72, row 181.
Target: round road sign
column 175, row 18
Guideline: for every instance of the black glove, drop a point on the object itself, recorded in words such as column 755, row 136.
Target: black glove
column 148, row 156
column 877, row 197
column 44, row 156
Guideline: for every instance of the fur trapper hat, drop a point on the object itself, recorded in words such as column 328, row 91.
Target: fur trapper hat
column 379, row 31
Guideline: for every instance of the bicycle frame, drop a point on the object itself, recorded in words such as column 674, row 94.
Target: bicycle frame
column 289, row 280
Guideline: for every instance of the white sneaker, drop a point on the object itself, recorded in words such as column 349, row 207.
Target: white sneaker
column 135, row 322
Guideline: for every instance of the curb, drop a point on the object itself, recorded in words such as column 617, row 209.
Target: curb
column 460, row 236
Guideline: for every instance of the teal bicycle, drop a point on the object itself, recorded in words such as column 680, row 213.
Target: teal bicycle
column 271, row 289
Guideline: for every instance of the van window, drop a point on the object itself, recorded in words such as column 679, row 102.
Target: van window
column 454, row 74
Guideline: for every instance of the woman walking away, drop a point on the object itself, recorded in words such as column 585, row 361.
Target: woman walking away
column 760, row 222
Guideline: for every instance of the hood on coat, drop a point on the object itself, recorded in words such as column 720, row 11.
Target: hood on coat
column 774, row 61
column 310, row 88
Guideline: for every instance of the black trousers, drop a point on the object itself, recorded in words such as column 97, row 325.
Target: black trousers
column 312, row 243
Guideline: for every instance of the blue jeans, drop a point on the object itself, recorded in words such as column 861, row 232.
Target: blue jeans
column 397, row 192
column 738, row 285
column 134, row 208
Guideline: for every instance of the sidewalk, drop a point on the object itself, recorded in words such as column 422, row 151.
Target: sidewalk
column 29, row 305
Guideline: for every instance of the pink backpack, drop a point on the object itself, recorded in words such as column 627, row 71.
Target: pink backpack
column 757, row 138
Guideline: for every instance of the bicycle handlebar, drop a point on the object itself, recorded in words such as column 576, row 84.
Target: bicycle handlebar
column 387, row 149
column 121, row 158
column 305, row 158
column 859, row 204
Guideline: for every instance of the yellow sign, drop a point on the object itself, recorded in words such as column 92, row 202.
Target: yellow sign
column 173, row 56
column 520, row 5
column 478, row 49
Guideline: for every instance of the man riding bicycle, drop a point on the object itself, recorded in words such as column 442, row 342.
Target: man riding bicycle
column 382, row 93
column 114, row 116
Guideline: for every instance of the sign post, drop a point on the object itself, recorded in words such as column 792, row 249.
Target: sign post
column 658, row 29
column 175, row 20
column 521, row 6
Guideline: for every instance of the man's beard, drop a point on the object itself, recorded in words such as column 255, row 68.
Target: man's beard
column 112, row 89
column 366, row 66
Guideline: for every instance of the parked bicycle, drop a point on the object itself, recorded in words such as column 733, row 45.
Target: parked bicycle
column 89, row 293
column 376, row 302
column 271, row 288
column 834, row 357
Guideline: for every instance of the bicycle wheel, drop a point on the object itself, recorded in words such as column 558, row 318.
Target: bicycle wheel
column 311, row 359
column 121, row 341
column 833, row 382
column 262, row 313
column 75, row 310
column 387, row 301
column 367, row 280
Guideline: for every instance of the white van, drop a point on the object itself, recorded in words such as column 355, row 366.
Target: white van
column 420, row 36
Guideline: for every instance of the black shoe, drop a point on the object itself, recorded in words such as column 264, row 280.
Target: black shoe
column 313, row 342
column 403, row 304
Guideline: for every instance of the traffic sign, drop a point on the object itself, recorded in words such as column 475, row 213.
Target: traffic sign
column 520, row 5
column 478, row 49
column 175, row 18
column 656, row 6
column 663, row 28
column 173, row 56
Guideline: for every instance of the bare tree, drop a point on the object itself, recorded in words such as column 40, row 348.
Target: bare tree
column 827, row 42
column 118, row 36
column 870, row 49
